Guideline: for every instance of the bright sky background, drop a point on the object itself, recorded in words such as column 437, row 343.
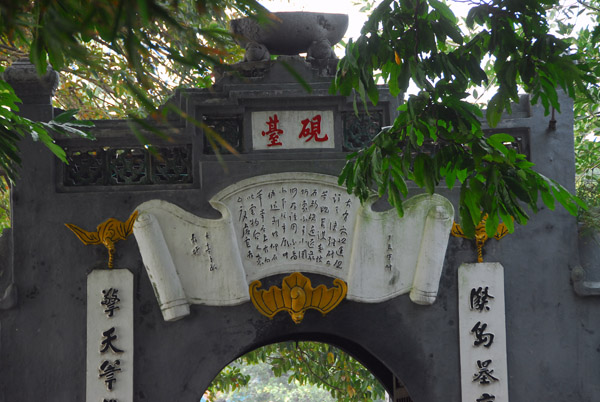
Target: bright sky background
column 356, row 18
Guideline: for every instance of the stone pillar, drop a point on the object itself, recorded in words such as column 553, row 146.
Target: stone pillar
column 36, row 95
column 35, row 91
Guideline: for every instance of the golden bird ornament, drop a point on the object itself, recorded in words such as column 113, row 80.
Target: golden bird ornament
column 107, row 233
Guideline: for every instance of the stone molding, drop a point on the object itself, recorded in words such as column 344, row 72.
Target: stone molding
column 29, row 85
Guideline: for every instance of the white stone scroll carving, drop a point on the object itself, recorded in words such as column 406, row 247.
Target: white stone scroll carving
column 288, row 222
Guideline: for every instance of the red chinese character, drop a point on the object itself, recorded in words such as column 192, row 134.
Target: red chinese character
column 313, row 130
column 273, row 132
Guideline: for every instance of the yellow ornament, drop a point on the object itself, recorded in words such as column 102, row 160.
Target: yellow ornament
column 107, row 233
column 297, row 295
column 480, row 235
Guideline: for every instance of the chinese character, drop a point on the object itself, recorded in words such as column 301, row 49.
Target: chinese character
column 107, row 342
column 313, row 130
column 484, row 375
column 486, row 398
column 482, row 338
column 108, row 371
column 110, row 301
column 479, row 298
column 274, row 132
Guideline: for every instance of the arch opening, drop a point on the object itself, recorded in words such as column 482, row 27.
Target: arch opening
column 306, row 368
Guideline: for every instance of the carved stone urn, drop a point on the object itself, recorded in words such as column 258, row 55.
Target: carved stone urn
column 290, row 33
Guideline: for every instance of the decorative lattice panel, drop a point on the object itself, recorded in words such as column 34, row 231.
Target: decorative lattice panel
column 119, row 166
column 360, row 129
column 229, row 128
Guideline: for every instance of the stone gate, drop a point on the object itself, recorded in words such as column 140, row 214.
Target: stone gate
column 216, row 233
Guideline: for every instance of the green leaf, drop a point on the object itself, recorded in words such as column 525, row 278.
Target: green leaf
column 462, row 175
column 395, row 200
column 501, row 138
column 547, row 198
column 466, row 222
column 491, row 223
column 143, row 9
column 67, row 116
column 470, row 197
column 451, row 173
column 507, row 219
column 495, row 109
column 343, row 177
column 444, row 10
column 399, row 182
column 419, row 170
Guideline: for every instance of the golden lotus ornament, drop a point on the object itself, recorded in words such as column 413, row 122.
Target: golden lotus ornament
column 297, row 295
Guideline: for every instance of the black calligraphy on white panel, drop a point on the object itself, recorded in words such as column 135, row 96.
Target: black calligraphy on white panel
column 108, row 372
column 485, row 397
column 295, row 222
column 479, row 299
column 484, row 374
column 110, row 301
column 481, row 337
column 108, row 342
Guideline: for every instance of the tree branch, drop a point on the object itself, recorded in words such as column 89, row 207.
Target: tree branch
column 308, row 366
column 588, row 6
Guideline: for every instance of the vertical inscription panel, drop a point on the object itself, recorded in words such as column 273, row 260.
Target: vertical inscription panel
column 482, row 326
column 298, row 224
column 293, row 129
column 109, row 371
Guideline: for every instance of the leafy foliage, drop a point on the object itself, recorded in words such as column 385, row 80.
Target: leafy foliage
column 141, row 50
column 115, row 56
column 307, row 363
column 231, row 378
column 4, row 205
column 134, row 40
column 14, row 127
column 264, row 386
column 418, row 43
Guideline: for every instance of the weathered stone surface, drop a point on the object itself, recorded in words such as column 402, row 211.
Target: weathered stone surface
column 291, row 33
column 8, row 289
column 552, row 333
column 28, row 85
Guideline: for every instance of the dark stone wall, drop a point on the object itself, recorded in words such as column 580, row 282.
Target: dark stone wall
column 553, row 335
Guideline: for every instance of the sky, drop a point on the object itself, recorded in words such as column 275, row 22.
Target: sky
column 356, row 18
